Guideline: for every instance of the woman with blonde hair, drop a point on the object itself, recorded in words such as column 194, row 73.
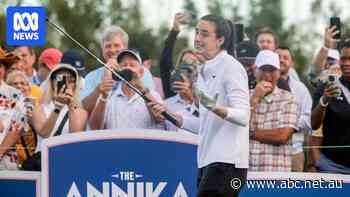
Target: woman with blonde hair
column 11, row 107
column 28, row 140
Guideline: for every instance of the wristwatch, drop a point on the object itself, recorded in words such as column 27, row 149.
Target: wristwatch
column 322, row 103
column 100, row 98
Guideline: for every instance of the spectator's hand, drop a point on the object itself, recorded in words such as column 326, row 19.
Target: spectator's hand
column 62, row 98
column 329, row 41
column 178, row 21
column 200, row 57
column 184, row 88
column 1, row 127
column 156, row 110
column 206, row 100
column 106, row 86
column 331, row 91
column 262, row 89
column 112, row 64
column 15, row 127
column 29, row 113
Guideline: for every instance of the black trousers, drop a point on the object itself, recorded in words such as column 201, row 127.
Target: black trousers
column 220, row 180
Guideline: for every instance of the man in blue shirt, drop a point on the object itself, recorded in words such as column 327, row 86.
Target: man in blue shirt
column 114, row 40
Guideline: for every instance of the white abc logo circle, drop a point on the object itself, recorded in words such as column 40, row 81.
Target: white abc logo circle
column 19, row 18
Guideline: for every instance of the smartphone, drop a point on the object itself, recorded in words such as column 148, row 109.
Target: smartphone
column 189, row 18
column 61, row 81
column 335, row 21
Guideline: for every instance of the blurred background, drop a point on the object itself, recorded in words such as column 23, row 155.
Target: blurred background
column 299, row 24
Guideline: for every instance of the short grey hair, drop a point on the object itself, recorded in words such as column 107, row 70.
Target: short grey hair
column 112, row 31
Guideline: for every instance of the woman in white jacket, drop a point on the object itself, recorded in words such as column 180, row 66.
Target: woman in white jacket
column 61, row 111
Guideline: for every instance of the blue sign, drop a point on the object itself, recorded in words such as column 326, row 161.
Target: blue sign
column 19, row 183
column 25, row 26
column 117, row 163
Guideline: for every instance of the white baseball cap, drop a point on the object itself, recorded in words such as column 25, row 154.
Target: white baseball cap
column 332, row 53
column 267, row 57
column 130, row 52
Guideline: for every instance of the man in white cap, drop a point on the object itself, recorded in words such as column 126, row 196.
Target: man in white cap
column 273, row 118
column 119, row 106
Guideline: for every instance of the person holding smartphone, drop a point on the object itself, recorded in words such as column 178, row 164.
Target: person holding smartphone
column 331, row 112
column 166, row 61
column 11, row 109
column 26, row 144
column 61, row 111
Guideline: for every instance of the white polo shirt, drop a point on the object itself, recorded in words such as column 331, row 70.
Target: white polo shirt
column 124, row 112
column 181, row 107
column 222, row 140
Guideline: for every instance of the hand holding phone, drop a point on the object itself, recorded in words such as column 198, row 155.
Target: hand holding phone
column 335, row 22
column 61, row 83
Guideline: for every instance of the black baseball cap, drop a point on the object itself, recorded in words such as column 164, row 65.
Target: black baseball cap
column 75, row 59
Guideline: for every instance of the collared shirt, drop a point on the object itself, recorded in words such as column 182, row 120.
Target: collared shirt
column 304, row 100
column 128, row 112
column 95, row 77
column 223, row 140
column 177, row 105
column 280, row 110
column 336, row 127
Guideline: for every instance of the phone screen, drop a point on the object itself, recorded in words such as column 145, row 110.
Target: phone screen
column 61, row 83
column 335, row 21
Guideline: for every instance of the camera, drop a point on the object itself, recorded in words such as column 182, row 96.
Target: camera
column 19, row 117
column 331, row 79
column 127, row 74
column 29, row 102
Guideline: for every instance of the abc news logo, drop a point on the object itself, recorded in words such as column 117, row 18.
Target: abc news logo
column 25, row 26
